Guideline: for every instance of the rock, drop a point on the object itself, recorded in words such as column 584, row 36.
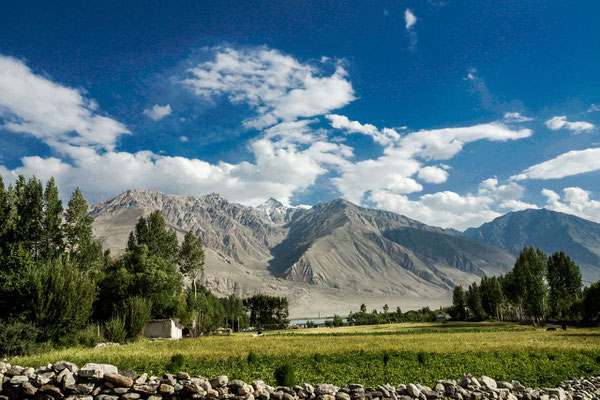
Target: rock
column 429, row 394
column 166, row 389
column 412, row 390
column 118, row 379
column 61, row 365
column 82, row 388
column 29, row 389
column 130, row 396
column 183, row 375
column 97, row 371
column 213, row 393
column 488, row 382
column 106, row 397
column 18, row 379
column 325, row 388
column 342, row 396
column 142, row 379
column 43, row 378
column 504, row 385
column 146, row 388
column 52, row 390
column 219, row 381
column 558, row 392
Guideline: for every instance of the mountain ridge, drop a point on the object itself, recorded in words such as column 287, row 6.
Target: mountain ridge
column 325, row 257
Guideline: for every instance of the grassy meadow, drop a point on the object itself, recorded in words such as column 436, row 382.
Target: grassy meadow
column 419, row 353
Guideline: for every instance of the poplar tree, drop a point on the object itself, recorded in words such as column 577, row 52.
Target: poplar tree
column 564, row 281
column 191, row 258
column 52, row 244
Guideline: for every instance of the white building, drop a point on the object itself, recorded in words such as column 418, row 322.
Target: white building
column 164, row 328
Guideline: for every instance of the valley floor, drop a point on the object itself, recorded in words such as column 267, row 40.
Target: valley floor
column 420, row 353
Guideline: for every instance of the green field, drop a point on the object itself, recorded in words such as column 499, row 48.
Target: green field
column 418, row 353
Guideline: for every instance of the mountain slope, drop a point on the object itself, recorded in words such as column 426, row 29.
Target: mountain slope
column 330, row 257
column 550, row 231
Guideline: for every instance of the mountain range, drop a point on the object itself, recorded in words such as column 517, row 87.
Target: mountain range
column 550, row 231
column 336, row 255
column 327, row 258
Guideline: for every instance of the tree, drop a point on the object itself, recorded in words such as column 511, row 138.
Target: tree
column 52, row 244
column 591, row 302
column 59, row 297
column 267, row 312
column 459, row 310
column 153, row 233
column 363, row 308
column 191, row 258
column 473, row 298
column 78, row 231
column 491, row 296
column 564, row 281
column 4, row 212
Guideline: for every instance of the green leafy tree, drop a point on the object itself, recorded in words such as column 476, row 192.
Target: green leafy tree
column 191, row 258
column 591, row 302
column 491, row 297
column 152, row 232
column 80, row 242
column 52, row 244
column 473, row 297
column 59, row 297
column 564, row 281
column 459, row 304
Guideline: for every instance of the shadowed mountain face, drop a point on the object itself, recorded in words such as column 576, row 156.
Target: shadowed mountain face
column 550, row 231
column 330, row 257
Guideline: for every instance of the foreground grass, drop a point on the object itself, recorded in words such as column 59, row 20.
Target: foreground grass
column 420, row 353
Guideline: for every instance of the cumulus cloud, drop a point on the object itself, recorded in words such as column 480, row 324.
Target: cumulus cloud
column 409, row 18
column 516, row 117
column 277, row 86
column 433, row 175
column 184, row 139
column 157, row 112
column 384, row 137
column 575, row 201
column 567, row 164
column 54, row 113
column 560, row 122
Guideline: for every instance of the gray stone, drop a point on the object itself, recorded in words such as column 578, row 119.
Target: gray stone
column 44, row 378
column 146, row 388
column 412, row 390
column 68, row 379
column 325, row 388
column 166, row 389
column 118, row 379
column 504, row 385
column 97, row 371
column 342, row 396
column 130, row 396
column 29, row 389
column 59, row 366
column 18, row 379
column 142, row 379
column 219, row 381
column 106, row 397
column 183, row 375
column 488, row 382
column 82, row 388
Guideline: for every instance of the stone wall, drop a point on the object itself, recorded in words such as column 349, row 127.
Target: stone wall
column 64, row 380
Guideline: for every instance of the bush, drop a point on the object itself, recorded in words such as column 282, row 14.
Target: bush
column 252, row 358
column 88, row 337
column 285, row 375
column 114, row 329
column 176, row 363
column 310, row 324
column 137, row 311
column 318, row 357
column 60, row 298
column 17, row 338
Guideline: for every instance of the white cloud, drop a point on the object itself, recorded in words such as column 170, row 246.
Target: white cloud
column 433, row 175
column 158, row 112
column 184, row 139
column 384, row 137
column 409, row 18
column 277, row 86
column 560, row 122
column 516, row 117
column 571, row 163
column 593, row 108
column 575, row 201
column 51, row 112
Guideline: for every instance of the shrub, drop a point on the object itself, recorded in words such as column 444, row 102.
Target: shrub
column 285, row 375
column 252, row 358
column 318, row 357
column 137, row 311
column 17, row 338
column 310, row 324
column 386, row 359
column 422, row 357
column 176, row 363
column 88, row 337
column 60, row 298
column 114, row 329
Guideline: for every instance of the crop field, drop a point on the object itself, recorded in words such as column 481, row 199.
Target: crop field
column 398, row 353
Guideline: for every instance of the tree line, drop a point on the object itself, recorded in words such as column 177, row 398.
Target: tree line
column 539, row 288
column 59, row 287
column 387, row 316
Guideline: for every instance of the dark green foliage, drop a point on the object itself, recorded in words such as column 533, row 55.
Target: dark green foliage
column 191, row 258
column 337, row 320
column 78, row 232
column 137, row 312
column 564, row 282
column 59, row 297
column 364, row 318
column 267, row 312
column 459, row 304
column 491, row 297
column 17, row 338
column 115, row 329
column 386, row 359
column 52, row 243
column 319, row 357
column 310, row 324
column 473, row 297
column 176, row 363
column 88, row 337
column 591, row 303
column 285, row 375
column 152, row 232
column 252, row 358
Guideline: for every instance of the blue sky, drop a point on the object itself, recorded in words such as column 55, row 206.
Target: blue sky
column 450, row 112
